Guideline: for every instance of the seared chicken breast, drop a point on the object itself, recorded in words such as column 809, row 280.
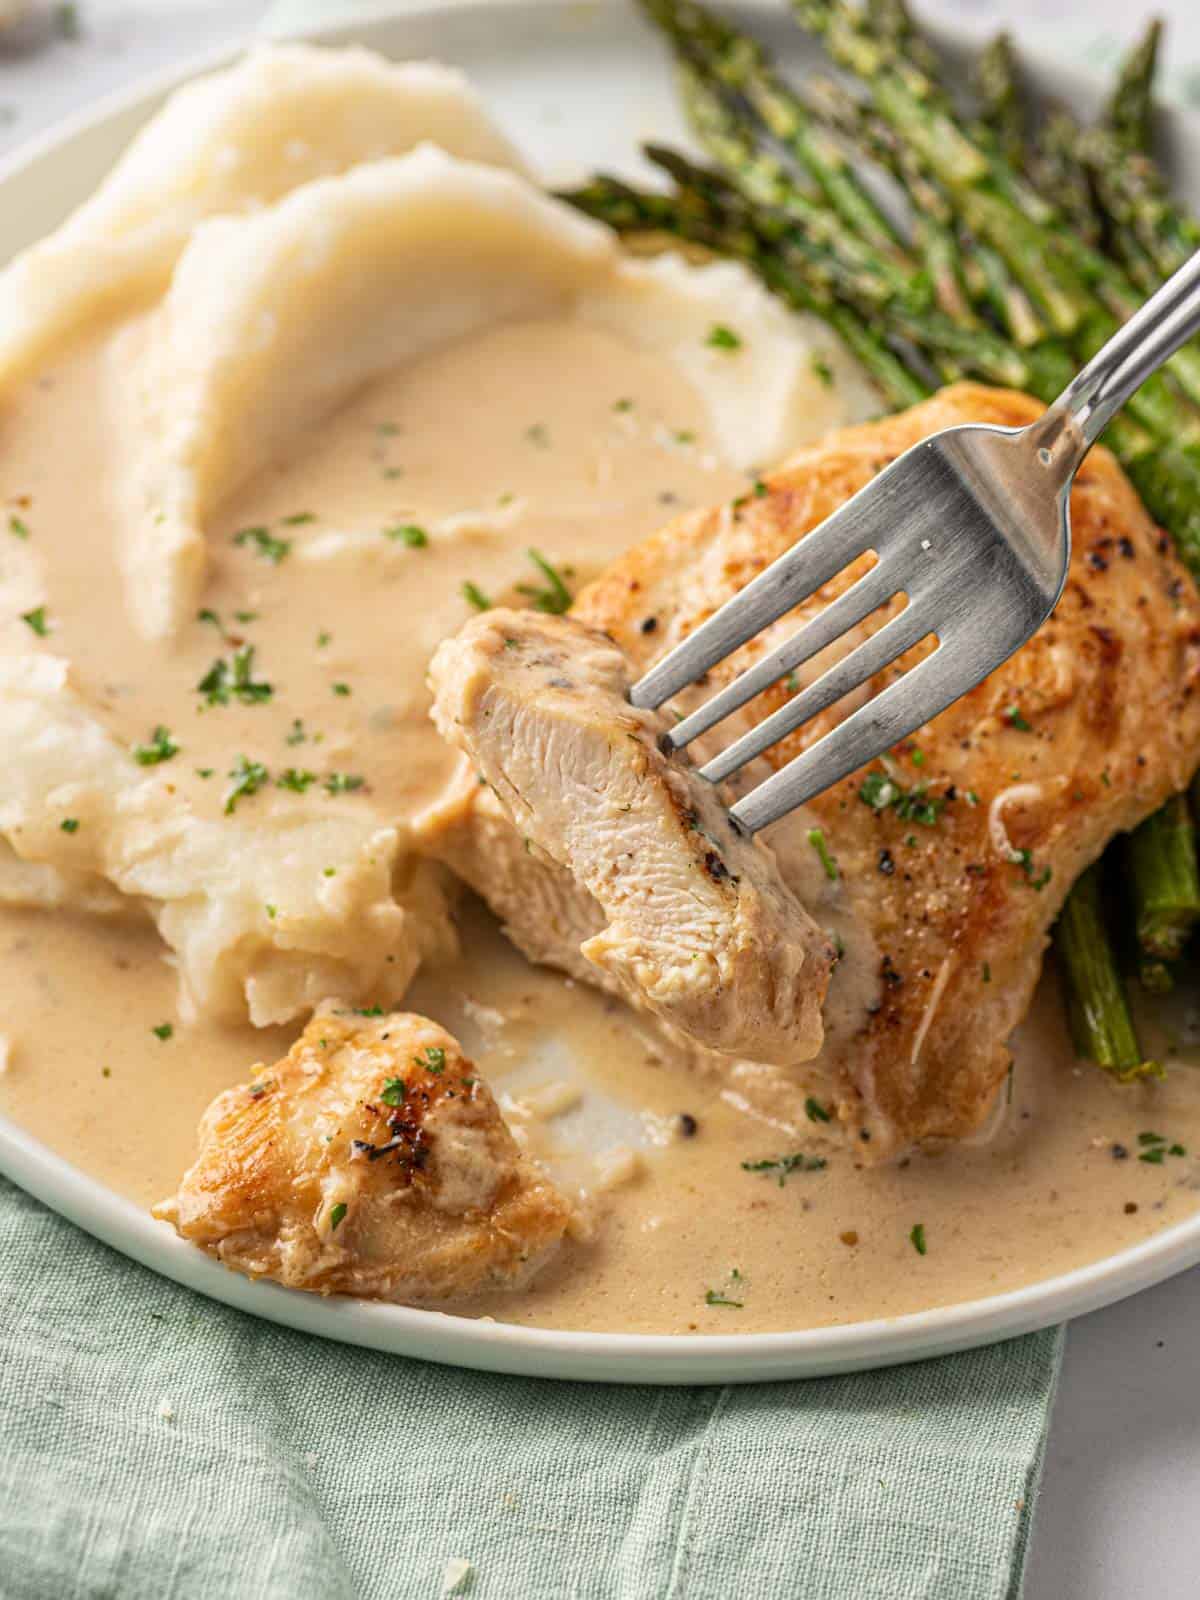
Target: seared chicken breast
column 373, row 1161
column 696, row 923
column 952, row 858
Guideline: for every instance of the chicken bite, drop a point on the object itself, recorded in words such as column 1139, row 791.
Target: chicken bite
column 373, row 1161
column 693, row 921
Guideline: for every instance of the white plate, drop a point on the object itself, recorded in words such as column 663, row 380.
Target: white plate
column 578, row 87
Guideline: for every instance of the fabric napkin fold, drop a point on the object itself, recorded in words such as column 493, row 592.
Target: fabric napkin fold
column 157, row 1446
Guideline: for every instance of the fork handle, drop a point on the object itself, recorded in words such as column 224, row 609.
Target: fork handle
column 1139, row 347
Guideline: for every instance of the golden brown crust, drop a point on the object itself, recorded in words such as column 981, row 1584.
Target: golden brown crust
column 1099, row 712
column 372, row 1160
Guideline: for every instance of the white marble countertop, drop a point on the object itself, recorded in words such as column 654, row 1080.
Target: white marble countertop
column 1118, row 1512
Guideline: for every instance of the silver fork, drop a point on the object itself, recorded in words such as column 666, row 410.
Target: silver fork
column 972, row 525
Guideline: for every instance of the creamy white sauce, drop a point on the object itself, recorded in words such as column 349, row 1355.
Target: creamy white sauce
column 568, row 439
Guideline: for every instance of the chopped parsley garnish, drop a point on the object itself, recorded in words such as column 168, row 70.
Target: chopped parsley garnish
column 1155, row 1149
column 265, row 544
column 722, row 338
column 816, row 838
column 881, row 792
column 432, row 1058
column 713, row 1297
column 409, row 533
column 1012, row 715
column 163, row 1031
column 555, row 598
column 18, row 527
column 387, row 430
column 297, row 735
column 205, row 772
column 233, row 679
column 246, row 616
column 295, row 778
column 342, row 689
column 816, row 1112
column 1024, row 860
column 622, row 405
column 248, row 778
column 537, row 433
column 822, row 370
column 209, row 615
column 272, row 911
column 393, row 1091
column 36, row 619
column 336, row 1215
column 917, row 1238
column 69, row 824
column 323, row 639
column 786, row 1165
column 343, row 782
column 297, row 518
column 161, row 747
column 474, row 595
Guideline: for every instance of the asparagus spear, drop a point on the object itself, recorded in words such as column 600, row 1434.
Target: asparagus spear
column 1164, row 880
column 1129, row 114
column 1097, row 1004
column 996, row 85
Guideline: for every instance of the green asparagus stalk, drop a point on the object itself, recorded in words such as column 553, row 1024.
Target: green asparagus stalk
column 1097, row 1004
column 999, row 96
column 1164, row 880
column 1129, row 114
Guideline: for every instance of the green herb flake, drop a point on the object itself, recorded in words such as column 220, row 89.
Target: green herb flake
column 393, row 1091
column 823, row 371
column 474, row 595
column 297, row 779
column 538, row 434
column 784, row 1166
column 233, row 679
column 161, row 747
column 987, row 972
column 622, row 405
column 1014, row 718
column 713, row 1297
column 69, row 824
column 342, row 689
column 815, row 1111
column 36, row 619
column 248, row 778
column 18, row 527
column 408, row 533
column 343, row 782
column 816, row 838
column 1156, row 1156
column 207, row 614
column 163, row 1031
column 722, row 338
column 299, row 518
column 246, row 616
column 323, row 639
column 205, row 772
column 336, row 1215
column 433, row 1059
column 555, row 598
column 917, row 1238
column 881, row 792
column 297, row 734
column 264, row 543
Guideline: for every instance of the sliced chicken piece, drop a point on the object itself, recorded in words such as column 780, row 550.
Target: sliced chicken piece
column 698, row 926
column 954, row 859
column 372, row 1161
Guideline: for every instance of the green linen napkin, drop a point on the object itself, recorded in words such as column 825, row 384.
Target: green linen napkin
column 156, row 1446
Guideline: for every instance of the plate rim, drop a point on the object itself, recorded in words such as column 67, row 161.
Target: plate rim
column 483, row 1344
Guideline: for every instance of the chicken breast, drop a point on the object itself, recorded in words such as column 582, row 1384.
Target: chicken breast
column 373, row 1161
column 953, row 857
column 697, row 924
column 956, row 855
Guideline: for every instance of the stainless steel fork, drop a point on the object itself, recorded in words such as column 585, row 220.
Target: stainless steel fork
column 971, row 525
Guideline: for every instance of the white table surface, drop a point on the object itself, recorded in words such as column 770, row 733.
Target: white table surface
column 1119, row 1515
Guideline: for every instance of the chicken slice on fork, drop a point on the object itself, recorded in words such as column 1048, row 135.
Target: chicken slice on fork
column 372, row 1161
column 692, row 921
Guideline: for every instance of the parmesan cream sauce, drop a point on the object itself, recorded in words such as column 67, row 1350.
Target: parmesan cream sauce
column 553, row 436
